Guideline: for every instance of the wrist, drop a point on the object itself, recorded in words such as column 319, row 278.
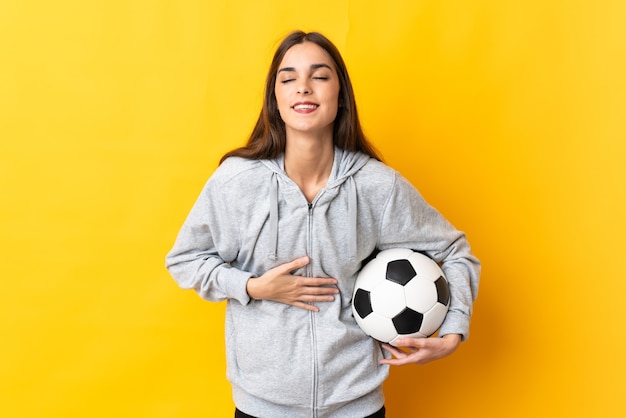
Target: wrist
column 453, row 338
column 251, row 288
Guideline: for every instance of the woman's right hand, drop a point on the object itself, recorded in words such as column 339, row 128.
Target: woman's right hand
column 279, row 285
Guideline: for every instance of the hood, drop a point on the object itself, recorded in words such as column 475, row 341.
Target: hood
column 345, row 165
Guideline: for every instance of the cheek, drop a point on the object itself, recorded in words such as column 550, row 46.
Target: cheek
column 335, row 101
column 336, row 96
column 281, row 99
column 280, row 103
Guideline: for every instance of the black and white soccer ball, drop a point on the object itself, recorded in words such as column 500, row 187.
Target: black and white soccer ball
column 400, row 293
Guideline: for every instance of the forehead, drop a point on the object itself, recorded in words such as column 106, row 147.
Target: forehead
column 305, row 55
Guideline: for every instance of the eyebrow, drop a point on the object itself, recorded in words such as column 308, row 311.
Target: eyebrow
column 313, row 67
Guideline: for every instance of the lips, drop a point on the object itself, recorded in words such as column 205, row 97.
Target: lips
column 305, row 107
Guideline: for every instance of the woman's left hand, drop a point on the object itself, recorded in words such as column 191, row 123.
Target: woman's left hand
column 421, row 350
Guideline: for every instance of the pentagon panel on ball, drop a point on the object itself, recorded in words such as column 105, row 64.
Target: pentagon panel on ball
column 400, row 293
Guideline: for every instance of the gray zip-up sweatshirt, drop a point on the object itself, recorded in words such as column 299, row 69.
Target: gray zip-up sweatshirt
column 283, row 361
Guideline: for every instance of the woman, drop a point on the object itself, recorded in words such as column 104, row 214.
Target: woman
column 281, row 230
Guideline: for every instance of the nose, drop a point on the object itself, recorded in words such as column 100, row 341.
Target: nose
column 304, row 88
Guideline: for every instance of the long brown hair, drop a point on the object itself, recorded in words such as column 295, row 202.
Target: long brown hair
column 268, row 138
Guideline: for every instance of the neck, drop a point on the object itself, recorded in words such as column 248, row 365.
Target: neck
column 308, row 162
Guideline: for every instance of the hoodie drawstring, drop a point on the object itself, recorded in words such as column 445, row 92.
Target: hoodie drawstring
column 274, row 215
column 352, row 219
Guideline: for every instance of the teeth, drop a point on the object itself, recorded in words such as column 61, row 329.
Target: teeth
column 305, row 106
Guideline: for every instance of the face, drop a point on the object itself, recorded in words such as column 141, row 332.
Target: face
column 307, row 90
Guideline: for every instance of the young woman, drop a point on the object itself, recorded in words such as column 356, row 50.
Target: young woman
column 281, row 230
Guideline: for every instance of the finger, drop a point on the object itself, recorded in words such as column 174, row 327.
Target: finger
column 293, row 265
column 318, row 281
column 411, row 342
column 309, row 299
column 316, row 298
column 320, row 290
column 394, row 351
column 397, row 361
column 402, row 358
column 306, row 306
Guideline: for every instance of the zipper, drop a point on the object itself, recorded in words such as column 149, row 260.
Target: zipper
column 309, row 273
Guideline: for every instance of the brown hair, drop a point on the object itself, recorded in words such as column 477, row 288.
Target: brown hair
column 268, row 138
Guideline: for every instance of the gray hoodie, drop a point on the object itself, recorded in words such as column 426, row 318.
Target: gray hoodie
column 283, row 361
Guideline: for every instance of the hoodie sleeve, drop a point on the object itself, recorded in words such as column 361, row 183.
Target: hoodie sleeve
column 197, row 262
column 409, row 221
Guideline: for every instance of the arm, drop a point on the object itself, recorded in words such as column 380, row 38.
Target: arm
column 195, row 261
column 409, row 221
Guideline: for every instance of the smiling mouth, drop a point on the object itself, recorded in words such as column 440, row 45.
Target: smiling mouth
column 307, row 106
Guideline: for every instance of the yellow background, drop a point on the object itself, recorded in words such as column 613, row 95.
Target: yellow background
column 509, row 116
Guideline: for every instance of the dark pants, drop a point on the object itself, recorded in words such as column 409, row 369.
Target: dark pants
column 379, row 414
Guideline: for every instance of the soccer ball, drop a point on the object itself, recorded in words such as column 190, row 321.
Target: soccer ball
column 400, row 293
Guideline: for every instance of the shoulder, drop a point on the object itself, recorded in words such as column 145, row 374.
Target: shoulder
column 237, row 179
column 235, row 170
column 378, row 167
column 382, row 181
column 376, row 174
